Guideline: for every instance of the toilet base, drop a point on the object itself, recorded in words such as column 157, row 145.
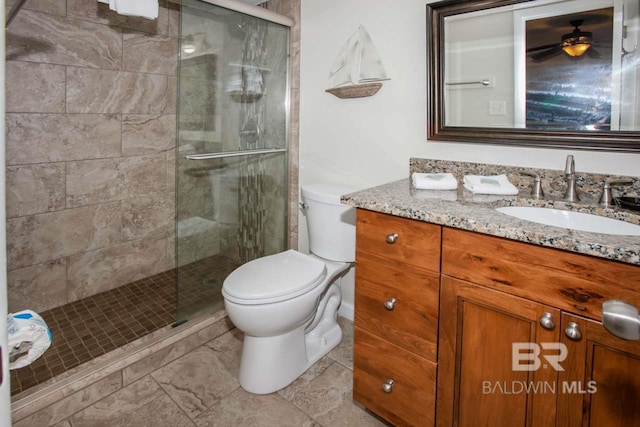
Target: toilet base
column 269, row 364
column 326, row 334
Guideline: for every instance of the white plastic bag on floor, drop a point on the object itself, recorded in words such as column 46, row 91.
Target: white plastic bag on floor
column 29, row 337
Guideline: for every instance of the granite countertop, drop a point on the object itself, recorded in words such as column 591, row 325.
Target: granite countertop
column 466, row 211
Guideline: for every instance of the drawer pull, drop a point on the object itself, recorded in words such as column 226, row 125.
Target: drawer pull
column 547, row 321
column 390, row 304
column 388, row 386
column 391, row 238
column 573, row 331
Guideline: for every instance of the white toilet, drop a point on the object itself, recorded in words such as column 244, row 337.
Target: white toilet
column 286, row 304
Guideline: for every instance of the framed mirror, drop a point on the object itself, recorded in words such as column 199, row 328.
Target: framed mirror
column 535, row 73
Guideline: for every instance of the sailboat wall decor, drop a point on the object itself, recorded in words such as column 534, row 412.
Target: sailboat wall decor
column 358, row 71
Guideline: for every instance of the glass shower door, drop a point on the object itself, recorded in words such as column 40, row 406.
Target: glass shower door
column 231, row 160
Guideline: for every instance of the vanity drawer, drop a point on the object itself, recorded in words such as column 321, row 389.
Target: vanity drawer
column 569, row 281
column 399, row 239
column 411, row 399
column 398, row 303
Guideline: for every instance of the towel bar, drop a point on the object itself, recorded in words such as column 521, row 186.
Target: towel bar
column 240, row 153
column 485, row 82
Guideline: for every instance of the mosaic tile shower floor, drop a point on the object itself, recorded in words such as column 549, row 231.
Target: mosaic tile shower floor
column 85, row 329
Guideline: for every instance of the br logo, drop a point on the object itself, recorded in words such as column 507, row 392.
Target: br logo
column 529, row 356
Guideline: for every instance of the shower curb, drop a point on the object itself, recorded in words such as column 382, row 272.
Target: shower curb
column 79, row 388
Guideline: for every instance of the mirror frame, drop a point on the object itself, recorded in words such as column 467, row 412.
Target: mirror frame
column 623, row 141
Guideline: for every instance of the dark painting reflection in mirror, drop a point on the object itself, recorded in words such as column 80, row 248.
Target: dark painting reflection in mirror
column 564, row 91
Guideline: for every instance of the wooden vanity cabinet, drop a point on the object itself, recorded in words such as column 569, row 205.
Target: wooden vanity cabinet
column 396, row 317
column 435, row 300
column 496, row 292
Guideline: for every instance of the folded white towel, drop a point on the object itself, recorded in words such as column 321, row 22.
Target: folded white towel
column 495, row 184
column 434, row 181
column 144, row 8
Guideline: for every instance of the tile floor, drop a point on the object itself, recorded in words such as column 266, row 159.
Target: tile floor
column 201, row 389
column 85, row 329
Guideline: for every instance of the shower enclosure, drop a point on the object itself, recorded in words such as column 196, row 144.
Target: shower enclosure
column 231, row 161
column 90, row 215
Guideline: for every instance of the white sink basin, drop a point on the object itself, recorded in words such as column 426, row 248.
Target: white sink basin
column 572, row 220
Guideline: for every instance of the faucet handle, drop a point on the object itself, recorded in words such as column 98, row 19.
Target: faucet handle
column 536, row 190
column 606, row 198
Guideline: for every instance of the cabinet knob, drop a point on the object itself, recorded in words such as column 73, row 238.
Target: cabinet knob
column 573, row 331
column 547, row 321
column 621, row 319
column 388, row 386
column 390, row 304
column 391, row 238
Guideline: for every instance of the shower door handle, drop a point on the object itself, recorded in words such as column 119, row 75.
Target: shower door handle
column 240, row 153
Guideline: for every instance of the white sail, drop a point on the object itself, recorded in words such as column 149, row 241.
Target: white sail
column 358, row 61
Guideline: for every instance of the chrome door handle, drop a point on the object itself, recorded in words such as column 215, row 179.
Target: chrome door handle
column 621, row 319
column 391, row 238
column 388, row 386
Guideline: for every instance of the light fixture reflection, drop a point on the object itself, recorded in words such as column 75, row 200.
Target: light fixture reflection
column 577, row 42
column 188, row 48
column 577, row 46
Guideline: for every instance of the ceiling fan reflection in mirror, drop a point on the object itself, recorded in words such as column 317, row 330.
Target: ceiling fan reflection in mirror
column 573, row 44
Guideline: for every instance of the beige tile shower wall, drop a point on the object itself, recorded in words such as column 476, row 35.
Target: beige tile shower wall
column 91, row 102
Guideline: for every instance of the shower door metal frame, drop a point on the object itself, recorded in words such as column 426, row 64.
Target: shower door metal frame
column 247, row 9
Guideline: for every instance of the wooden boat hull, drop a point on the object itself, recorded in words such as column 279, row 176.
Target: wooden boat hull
column 355, row 91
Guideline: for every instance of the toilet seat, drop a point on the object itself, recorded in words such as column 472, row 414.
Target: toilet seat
column 274, row 278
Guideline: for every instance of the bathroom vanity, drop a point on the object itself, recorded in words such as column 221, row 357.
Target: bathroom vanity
column 466, row 316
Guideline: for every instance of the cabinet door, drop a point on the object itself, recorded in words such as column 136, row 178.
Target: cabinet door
column 601, row 385
column 478, row 382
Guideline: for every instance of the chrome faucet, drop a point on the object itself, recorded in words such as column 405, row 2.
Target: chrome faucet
column 571, row 194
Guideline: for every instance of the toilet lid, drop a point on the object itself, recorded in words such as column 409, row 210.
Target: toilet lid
column 274, row 278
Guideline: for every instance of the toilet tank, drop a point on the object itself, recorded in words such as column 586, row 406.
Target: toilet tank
column 331, row 225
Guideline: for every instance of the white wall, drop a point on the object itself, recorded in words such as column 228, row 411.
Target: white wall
column 368, row 141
